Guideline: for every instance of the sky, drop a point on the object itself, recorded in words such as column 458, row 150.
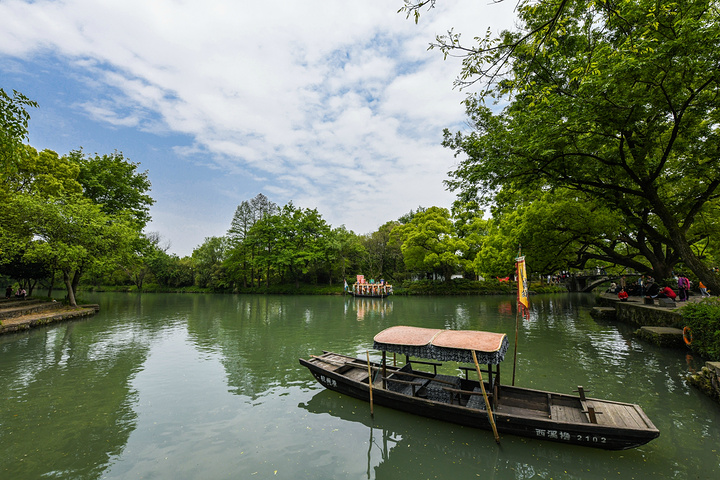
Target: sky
column 336, row 105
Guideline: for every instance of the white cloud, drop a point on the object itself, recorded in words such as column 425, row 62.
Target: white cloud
column 327, row 103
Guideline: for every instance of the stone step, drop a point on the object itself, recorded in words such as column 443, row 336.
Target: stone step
column 26, row 307
column 662, row 336
column 603, row 313
column 61, row 313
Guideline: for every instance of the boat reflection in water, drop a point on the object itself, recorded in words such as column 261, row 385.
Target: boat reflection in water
column 399, row 445
column 365, row 306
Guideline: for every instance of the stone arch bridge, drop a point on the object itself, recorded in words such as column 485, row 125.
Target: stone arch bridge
column 582, row 282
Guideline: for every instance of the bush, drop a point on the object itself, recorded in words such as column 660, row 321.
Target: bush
column 703, row 318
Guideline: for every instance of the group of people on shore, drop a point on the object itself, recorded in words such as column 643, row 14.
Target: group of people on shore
column 19, row 293
column 647, row 287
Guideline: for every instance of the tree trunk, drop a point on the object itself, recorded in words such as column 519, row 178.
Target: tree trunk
column 683, row 249
column 76, row 280
column 69, row 285
column 52, row 284
column 704, row 274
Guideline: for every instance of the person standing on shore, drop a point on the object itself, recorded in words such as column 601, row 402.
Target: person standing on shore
column 683, row 287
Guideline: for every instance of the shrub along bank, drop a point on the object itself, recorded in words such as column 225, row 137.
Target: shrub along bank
column 703, row 319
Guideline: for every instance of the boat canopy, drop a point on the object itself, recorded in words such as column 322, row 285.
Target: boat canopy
column 443, row 345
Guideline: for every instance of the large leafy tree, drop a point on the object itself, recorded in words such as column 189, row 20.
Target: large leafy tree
column 71, row 214
column 564, row 229
column 73, row 235
column 293, row 244
column 429, row 243
column 343, row 253
column 382, row 256
column 304, row 241
column 209, row 258
column 616, row 101
column 115, row 183
column 14, row 119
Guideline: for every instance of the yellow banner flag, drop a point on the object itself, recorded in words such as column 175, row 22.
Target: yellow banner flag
column 522, row 284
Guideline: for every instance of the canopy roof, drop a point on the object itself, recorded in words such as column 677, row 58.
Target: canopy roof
column 443, row 345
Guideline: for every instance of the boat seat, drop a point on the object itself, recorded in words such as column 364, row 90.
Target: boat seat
column 476, row 401
column 436, row 390
column 405, row 384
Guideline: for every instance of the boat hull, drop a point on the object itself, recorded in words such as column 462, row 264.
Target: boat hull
column 361, row 295
column 534, row 426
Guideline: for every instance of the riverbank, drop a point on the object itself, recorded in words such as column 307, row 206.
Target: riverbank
column 21, row 315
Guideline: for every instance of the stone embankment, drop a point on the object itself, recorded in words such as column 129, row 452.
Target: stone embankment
column 19, row 315
column 661, row 324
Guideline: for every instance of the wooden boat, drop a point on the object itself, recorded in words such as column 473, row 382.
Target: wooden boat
column 577, row 420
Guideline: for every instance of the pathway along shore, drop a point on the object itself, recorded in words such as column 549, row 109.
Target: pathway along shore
column 19, row 315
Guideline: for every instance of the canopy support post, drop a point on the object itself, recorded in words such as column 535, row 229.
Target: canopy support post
column 370, row 383
column 487, row 402
column 384, row 370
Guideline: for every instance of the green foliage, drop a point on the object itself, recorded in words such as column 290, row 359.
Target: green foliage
column 113, row 181
column 14, row 119
column 429, row 243
column 73, row 236
column 72, row 215
column 703, row 318
column 43, row 173
column 619, row 105
column 208, row 259
column 380, row 255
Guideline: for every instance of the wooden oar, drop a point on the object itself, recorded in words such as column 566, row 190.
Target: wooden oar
column 370, row 382
column 487, row 402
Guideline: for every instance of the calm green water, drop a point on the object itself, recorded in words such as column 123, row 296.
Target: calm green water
column 209, row 387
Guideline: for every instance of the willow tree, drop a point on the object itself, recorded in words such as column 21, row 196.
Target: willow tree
column 618, row 101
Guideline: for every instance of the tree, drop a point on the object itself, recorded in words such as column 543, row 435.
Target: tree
column 240, row 261
column 209, row 258
column 43, row 173
column 382, row 254
column 171, row 271
column 141, row 256
column 292, row 244
column 303, row 236
column 617, row 103
column 344, row 252
column 113, row 181
column 14, row 119
column 566, row 230
column 430, row 245
column 72, row 235
column 71, row 214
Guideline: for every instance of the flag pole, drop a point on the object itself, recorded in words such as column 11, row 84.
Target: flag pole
column 517, row 311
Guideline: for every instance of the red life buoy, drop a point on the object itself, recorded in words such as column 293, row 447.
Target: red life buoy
column 687, row 335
